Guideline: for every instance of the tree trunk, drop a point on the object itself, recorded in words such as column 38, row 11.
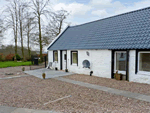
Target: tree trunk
column 22, row 49
column 28, row 42
column 16, row 28
column 15, row 37
column 60, row 26
column 21, row 34
column 40, row 38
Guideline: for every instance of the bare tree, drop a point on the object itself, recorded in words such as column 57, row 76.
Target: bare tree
column 29, row 27
column 39, row 9
column 11, row 20
column 55, row 24
column 22, row 8
column 1, row 32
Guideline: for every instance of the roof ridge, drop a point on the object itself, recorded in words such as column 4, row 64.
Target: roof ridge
column 111, row 17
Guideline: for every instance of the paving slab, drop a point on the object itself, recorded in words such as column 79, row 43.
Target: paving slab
column 5, row 109
column 25, row 110
column 49, row 73
column 109, row 90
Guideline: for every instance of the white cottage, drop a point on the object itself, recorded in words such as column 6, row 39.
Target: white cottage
column 119, row 42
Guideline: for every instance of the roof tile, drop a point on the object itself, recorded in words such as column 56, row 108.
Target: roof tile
column 125, row 31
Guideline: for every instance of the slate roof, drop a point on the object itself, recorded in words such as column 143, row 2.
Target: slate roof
column 126, row 31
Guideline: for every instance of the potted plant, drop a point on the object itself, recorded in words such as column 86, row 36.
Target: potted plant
column 23, row 68
column 91, row 72
column 66, row 70
column 43, row 75
column 118, row 76
column 56, row 68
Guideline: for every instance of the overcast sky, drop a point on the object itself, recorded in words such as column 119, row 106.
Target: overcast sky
column 82, row 11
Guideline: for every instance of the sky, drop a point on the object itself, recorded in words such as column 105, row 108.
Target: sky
column 83, row 11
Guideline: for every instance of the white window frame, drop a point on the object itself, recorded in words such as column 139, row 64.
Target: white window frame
column 75, row 64
column 122, row 72
column 142, row 72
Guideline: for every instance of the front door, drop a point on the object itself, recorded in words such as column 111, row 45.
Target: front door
column 120, row 62
column 64, row 58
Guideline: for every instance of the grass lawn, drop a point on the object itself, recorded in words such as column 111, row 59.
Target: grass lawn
column 13, row 64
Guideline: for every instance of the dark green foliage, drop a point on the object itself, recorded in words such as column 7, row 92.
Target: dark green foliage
column 18, row 57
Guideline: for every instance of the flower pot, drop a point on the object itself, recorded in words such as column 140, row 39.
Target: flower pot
column 118, row 76
column 43, row 75
column 66, row 70
column 23, row 68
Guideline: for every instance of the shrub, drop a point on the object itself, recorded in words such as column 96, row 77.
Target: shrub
column 18, row 57
column 2, row 57
column 28, row 58
column 9, row 57
column 42, row 55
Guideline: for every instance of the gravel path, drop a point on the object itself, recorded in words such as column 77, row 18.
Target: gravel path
column 31, row 92
column 17, row 71
column 112, row 83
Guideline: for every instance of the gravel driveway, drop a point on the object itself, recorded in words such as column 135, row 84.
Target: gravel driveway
column 17, row 71
column 32, row 92
column 112, row 83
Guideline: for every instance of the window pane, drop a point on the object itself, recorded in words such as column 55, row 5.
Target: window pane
column 56, row 56
column 144, row 63
column 65, row 56
column 74, row 55
column 121, row 61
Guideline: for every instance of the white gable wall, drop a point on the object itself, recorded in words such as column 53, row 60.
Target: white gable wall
column 100, row 61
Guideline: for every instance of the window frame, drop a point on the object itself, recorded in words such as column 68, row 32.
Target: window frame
column 54, row 56
column 122, row 72
column 142, row 72
column 76, row 64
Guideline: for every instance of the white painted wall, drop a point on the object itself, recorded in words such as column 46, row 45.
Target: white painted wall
column 50, row 56
column 141, row 78
column 100, row 62
column 50, row 59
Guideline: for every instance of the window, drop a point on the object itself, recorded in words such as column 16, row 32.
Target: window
column 121, row 61
column 56, row 56
column 144, row 61
column 74, row 57
column 65, row 56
